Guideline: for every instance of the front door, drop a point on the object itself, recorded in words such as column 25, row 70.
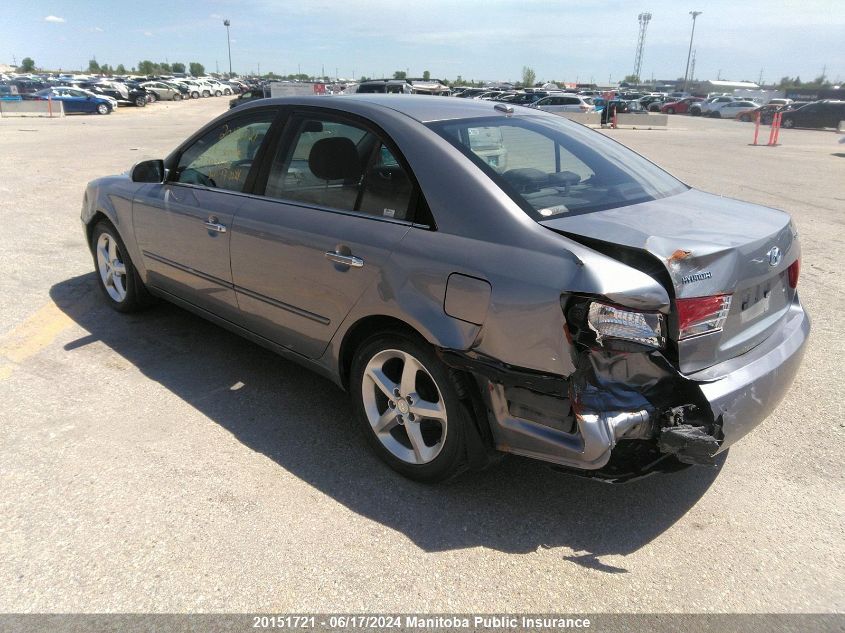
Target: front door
column 337, row 202
column 183, row 226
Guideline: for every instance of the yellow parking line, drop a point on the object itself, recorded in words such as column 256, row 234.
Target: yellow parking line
column 31, row 336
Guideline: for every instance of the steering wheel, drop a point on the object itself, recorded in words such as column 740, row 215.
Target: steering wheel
column 194, row 177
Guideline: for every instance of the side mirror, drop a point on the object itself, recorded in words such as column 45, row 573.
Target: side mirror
column 148, row 171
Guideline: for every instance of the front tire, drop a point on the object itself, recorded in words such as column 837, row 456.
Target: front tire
column 116, row 275
column 103, row 109
column 195, row 95
column 407, row 405
column 140, row 102
column 670, row 110
column 177, row 96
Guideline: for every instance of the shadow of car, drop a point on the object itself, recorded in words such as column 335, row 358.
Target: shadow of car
column 304, row 424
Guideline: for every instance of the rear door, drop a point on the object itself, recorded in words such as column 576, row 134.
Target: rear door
column 183, row 226
column 336, row 200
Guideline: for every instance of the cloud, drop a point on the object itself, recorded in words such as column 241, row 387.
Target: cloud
column 54, row 19
column 148, row 33
column 216, row 16
column 98, row 29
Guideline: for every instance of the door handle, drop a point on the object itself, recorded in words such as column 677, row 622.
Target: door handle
column 213, row 224
column 345, row 260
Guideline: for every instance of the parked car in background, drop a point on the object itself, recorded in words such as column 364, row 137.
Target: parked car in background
column 709, row 105
column 28, row 86
column 9, row 92
column 729, row 110
column 249, row 96
column 563, row 103
column 819, row 114
column 198, row 88
column 620, row 106
column 162, row 91
column 128, row 93
column 523, row 98
column 766, row 112
column 679, row 107
column 649, row 100
column 636, row 324
column 73, row 103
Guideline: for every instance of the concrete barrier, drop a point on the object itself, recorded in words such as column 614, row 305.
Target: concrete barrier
column 643, row 120
column 31, row 108
column 585, row 118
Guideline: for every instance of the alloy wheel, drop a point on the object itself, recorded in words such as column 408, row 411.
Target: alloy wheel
column 111, row 267
column 404, row 406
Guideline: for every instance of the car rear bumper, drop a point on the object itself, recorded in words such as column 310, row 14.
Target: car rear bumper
column 743, row 391
column 579, row 420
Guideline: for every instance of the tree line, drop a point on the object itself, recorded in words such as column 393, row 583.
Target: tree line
column 144, row 67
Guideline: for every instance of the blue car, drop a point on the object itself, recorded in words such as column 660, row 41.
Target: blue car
column 74, row 102
column 9, row 93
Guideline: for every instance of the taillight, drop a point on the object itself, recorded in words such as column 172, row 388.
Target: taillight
column 793, row 270
column 612, row 322
column 702, row 315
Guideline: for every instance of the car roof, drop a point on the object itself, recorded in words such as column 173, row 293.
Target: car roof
column 423, row 108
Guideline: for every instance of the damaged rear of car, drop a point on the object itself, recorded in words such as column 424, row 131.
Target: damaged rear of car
column 673, row 367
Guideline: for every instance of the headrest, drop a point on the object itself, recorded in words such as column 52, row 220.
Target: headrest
column 334, row 159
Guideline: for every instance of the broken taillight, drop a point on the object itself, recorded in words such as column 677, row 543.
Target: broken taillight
column 613, row 322
column 793, row 270
column 702, row 315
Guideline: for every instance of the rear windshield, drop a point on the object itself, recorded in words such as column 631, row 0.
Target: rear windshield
column 552, row 167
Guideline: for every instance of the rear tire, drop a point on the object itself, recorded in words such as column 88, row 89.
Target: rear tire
column 153, row 97
column 218, row 93
column 116, row 274
column 745, row 118
column 400, row 387
column 787, row 123
column 195, row 95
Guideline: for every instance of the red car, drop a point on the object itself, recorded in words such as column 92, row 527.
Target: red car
column 681, row 106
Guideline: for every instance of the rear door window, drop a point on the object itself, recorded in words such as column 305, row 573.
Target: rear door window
column 340, row 165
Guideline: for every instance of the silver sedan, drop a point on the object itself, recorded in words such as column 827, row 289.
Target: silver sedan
column 481, row 278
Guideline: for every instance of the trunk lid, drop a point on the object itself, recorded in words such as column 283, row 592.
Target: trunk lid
column 708, row 245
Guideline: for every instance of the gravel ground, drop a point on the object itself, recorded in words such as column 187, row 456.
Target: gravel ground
column 158, row 463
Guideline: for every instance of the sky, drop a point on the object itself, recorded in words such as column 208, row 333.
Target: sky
column 583, row 41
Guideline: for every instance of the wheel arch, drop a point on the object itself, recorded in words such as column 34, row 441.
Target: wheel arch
column 98, row 217
column 360, row 331
column 481, row 439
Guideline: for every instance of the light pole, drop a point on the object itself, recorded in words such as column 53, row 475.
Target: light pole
column 226, row 23
column 694, row 15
